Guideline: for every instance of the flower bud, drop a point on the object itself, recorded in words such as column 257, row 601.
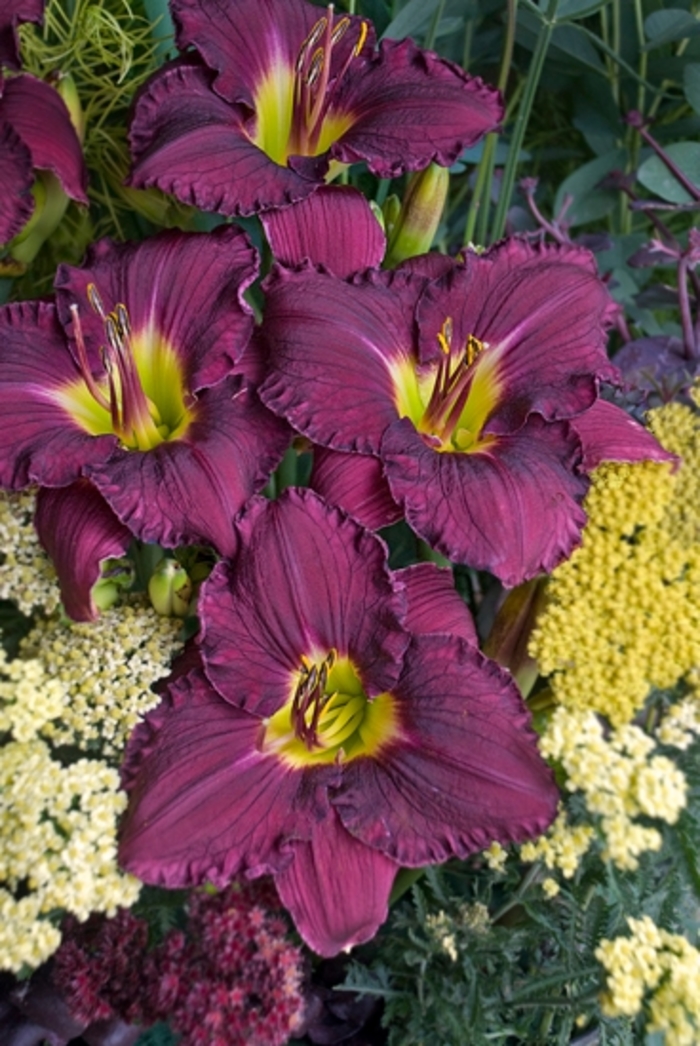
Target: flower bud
column 65, row 85
column 170, row 589
column 414, row 229
column 116, row 576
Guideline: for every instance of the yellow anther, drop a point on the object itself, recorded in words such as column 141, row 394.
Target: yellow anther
column 340, row 30
column 361, row 40
column 95, row 300
column 473, row 348
column 445, row 336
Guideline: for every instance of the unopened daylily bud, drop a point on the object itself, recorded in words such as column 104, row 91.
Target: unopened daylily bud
column 170, row 589
column 65, row 85
column 414, row 231
column 50, row 203
column 117, row 575
column 391, row 211
column 510, row 635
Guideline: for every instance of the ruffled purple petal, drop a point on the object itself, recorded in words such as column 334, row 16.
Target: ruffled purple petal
column 188, row 490
column 608, row 433
column 187, row 141
column 12, row 12
column 411, row 108
column 542, row 311
column 16, row 179
column 356, row 483
column 466, row 770
column 306, row 579
column 205, row 804
column 246, row 41
column 512, row 508
column 78, row 530
column 336, row 888
column 330, row 347
column 185, row 289
column 335, row 228
column 433, row 603
column 39, row 441
column 39, row 116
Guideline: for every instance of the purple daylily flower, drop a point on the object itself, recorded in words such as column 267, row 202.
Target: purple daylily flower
column 128, row 381
column 279, row 95
column 12, row 12
column 335, row 733
column 36, row 133
column 485, row 421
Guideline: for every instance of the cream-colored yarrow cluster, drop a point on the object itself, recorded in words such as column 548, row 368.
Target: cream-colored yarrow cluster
column 620, row 778
column 561, row 847
column 653, row 960
column 84, row 686
column 58, row 826
column 107, row 668
column 624, row 611
column 26, row 573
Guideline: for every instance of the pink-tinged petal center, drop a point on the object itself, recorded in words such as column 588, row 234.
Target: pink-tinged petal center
column 141, row 396
column 450, row 399
column 329, row 716
column 295, row 106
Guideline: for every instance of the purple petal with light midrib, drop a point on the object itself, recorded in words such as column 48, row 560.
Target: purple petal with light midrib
column 39, row 441
column 541, row 311
column 306, row 579
column 205, row 804
column 330, row 345
column 411, row 108
column 335, row 227
column 466, row 770
column 336, row 888
column 184, row 289
column 188, row 490
column 512, row 508
column 189, row 142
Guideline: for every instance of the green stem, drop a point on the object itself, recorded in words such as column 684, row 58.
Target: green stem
column 478, row 213
column 529, row 878
column 429, row 42
column 488, row 159
column 524, row 110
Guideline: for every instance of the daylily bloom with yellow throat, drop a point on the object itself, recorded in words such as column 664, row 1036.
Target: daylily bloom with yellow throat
column 469, row 387
column 128, row 381
column 280, row 95
column 342, row 723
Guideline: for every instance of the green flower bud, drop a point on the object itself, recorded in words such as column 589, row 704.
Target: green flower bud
column 170, row 589
column 117, row 575
column 414, row 230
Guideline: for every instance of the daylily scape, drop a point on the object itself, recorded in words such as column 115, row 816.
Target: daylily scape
column 283, row 485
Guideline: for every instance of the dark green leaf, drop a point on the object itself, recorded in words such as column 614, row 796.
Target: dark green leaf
column 656, row 177
column 691, row 84
column 664, row 27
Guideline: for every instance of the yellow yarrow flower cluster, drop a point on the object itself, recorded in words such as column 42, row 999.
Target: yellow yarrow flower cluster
column 620, row 779
column 26, row 573
column 561, row 847
column 653, row 960
column 624, row 611
column 449, row 931
column 107, row 668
